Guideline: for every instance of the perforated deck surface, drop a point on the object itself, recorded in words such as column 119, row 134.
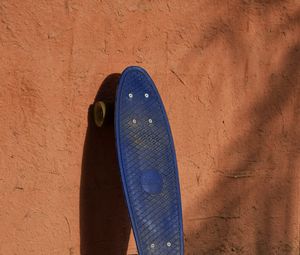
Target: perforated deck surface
column 148, row 165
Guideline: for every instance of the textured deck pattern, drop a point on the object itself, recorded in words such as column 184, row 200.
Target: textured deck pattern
column 148, row 166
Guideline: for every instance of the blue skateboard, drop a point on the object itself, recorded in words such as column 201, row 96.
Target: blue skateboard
column 147, row 164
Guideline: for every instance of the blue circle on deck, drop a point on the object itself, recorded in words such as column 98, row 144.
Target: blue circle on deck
column 151, row 181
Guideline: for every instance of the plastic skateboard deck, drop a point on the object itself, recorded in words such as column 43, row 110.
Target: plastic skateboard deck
column 148, row 165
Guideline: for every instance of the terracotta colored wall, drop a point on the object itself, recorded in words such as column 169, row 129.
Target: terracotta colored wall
column 228, row 72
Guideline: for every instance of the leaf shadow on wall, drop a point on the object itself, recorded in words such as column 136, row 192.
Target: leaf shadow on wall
column 266, row 199
column 104, row 221
column 255, row 193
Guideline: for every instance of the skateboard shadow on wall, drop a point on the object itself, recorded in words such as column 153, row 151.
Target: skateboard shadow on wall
column 104, row 221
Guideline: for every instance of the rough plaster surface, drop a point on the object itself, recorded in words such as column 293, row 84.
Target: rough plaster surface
column 228, row 72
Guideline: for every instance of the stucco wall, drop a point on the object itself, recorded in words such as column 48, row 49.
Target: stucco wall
column 228, row 73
